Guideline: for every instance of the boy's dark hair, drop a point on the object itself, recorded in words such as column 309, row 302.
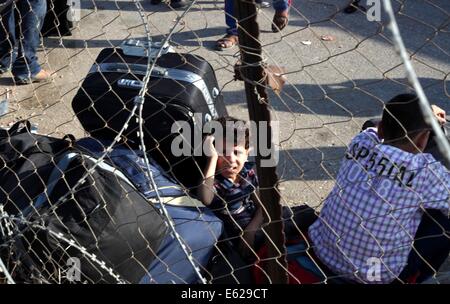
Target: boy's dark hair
column 238, row 127
column 402, row 118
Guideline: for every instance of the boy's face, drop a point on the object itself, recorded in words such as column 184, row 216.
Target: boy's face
column 231, row 159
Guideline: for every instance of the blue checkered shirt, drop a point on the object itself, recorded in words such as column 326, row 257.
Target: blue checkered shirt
column 367, row 225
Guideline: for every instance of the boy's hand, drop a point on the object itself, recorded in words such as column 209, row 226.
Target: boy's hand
column 208, row 147
column 439, row 113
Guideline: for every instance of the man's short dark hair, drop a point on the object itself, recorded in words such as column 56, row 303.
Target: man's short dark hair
column 239, row 126
column 402, row 118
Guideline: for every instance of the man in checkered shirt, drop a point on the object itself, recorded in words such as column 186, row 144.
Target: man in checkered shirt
column 387, row 218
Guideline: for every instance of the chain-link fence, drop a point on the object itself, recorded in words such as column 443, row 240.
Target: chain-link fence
column 110, row 175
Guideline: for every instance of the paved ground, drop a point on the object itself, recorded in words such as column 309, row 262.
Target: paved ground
column 333, row 86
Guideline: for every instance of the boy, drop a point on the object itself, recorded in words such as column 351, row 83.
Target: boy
column 386, row 219
column 231, row 184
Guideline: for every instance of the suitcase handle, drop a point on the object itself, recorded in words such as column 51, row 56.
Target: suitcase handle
column 139, row 48
column 130, row 84
column 128, row 68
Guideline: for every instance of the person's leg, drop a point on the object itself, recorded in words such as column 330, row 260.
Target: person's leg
column 281, row 5
column 7, row 38
column 230, row 20
column 231, row 38
column 431, row 247
column 32, row 14
column 281, row 17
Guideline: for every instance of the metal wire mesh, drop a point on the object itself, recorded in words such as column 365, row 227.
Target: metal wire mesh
column 341, row 69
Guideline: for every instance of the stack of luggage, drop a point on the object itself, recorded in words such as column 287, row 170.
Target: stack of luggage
column 60, row 193
column 180, row 86
column 67, row 200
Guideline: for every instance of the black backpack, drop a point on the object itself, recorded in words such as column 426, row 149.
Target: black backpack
column 92, row 218
column 26, row 161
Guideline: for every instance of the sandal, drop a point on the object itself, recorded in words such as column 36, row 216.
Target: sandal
column 280, row 20
column 227, row 42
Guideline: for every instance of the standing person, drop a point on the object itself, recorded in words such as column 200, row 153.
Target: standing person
column 387, row 218
column 280, row 21
column 20, row 39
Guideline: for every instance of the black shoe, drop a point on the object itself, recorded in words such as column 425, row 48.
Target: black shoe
column 178, row 4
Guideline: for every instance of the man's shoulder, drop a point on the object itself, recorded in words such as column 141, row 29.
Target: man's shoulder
column 370, row 135
column 431, row 163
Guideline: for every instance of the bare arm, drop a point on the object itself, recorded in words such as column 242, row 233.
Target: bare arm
column 440, row 114
column 205, row 190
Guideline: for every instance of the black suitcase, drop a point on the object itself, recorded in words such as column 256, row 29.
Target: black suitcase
column 56, row 22
column 180, row 85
